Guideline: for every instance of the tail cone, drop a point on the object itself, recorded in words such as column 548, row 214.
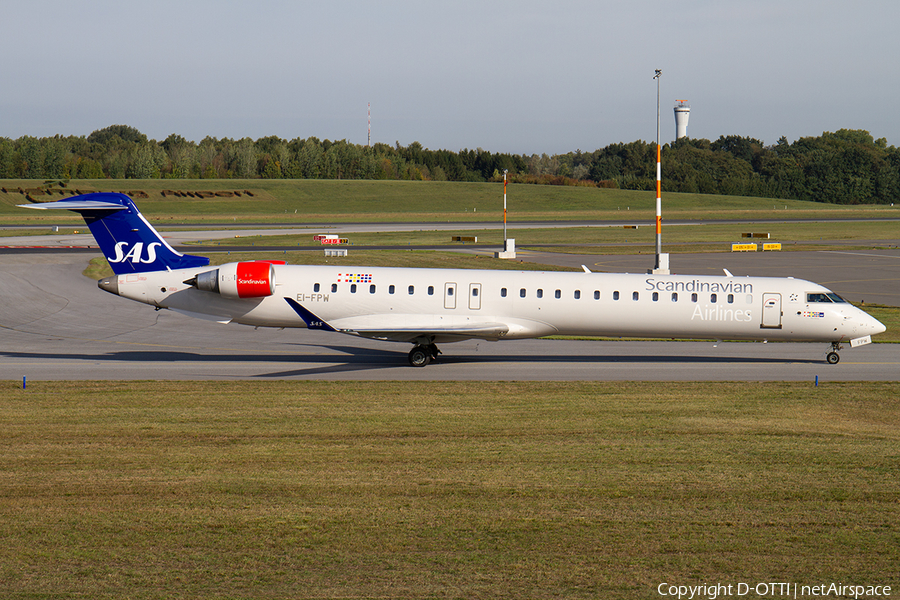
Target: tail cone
column 109, row 284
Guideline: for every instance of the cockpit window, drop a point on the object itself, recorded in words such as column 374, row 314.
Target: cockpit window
column 829, row 297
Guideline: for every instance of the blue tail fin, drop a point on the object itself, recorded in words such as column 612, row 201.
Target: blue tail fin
column 128, row 241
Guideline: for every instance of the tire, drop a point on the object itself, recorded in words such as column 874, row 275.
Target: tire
column 833, row 358
column 419, row 357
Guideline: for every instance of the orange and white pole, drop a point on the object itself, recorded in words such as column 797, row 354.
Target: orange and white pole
column 658, row 201
column 658, row 178
column 504, row 208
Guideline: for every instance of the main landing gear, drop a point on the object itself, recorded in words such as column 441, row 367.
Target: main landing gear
column 833, row 357
column 421, row 355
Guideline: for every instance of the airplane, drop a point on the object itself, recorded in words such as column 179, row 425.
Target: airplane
column 426, row 307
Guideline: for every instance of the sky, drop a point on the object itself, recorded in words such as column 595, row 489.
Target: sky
column 518, row 76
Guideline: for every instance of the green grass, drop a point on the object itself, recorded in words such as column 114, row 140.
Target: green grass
column 329, row 200
column 699, row 237
column 443, row 490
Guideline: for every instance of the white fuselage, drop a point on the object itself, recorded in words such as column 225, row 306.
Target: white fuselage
column 527, row 303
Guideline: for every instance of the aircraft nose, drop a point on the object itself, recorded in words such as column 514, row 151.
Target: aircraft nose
column 866, row 324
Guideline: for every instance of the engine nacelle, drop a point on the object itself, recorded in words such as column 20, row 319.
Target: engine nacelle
column 238, row 280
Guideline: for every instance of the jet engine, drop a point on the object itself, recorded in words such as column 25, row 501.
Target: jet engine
column 238, row 280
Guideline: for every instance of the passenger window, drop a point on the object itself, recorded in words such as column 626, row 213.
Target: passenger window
column 352, row 288
column 655, row 296
column 596, row 294
column 615, row 295
column 391, row 289
column 449, row 291
column 503, row 292
column 730, row 298
column 333, row 287
column 474, row 292
column 674, row 296
column 635, row 296
column 316, row 287
column 431, row 290
column 540, row 293
column 578, row 294
column 558, row 294
column 693, row 297
column 372, row 289
column 713, row 298
column 522, row 293
column 412, row 290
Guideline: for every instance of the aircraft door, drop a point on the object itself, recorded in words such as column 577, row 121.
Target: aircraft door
column 771, row 312
column 475, row 296
column 449, row 295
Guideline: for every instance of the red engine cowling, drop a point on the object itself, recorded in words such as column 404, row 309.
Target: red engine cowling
column 247, row 280
column 239, row 280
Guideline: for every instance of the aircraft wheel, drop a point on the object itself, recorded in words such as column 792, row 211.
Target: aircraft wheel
column 833, row 358
column 419, row 356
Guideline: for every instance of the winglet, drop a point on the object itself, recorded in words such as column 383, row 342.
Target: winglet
column 311, row 320
column 586, row 270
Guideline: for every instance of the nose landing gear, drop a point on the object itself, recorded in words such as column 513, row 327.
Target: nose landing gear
column 833, row 357
column 421, row 355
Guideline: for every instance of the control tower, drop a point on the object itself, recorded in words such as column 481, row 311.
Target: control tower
column 682, row 114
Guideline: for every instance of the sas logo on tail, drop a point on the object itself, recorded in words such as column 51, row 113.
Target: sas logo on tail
column 135, row 254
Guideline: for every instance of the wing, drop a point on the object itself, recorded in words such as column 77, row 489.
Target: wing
column 410, row 331
column 484, row 331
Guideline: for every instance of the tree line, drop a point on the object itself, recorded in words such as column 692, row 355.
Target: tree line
column 845, row 167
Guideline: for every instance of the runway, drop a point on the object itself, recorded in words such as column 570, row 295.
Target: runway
column 57, row 325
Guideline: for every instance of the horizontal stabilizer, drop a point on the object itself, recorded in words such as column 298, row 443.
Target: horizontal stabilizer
column 77, row 205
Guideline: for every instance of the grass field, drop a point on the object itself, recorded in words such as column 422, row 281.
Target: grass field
column 608, row 240
column 329, row 200
column 443, row 490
